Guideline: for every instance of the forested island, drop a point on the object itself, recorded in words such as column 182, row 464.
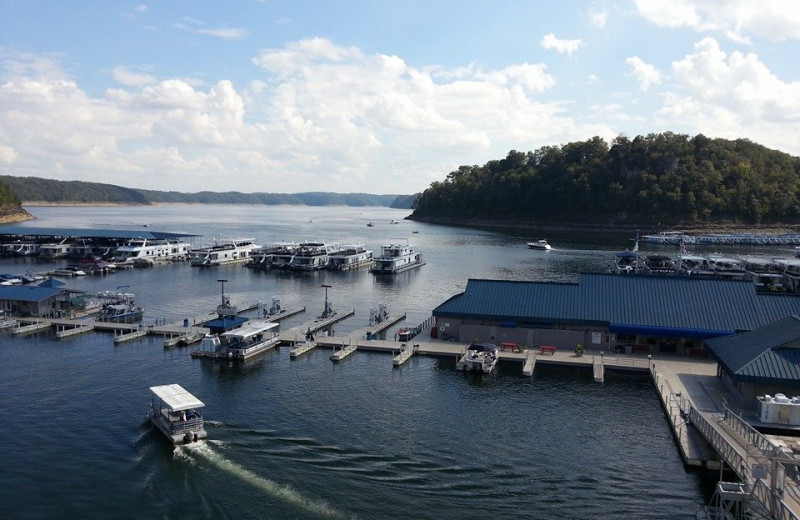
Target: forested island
column 35, row 190
column 668, row 179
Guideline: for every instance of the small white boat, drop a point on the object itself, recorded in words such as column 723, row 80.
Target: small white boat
column 69, row 270
column 174, row 411
column 481, row 358
column 540, row 244
column 394, row 221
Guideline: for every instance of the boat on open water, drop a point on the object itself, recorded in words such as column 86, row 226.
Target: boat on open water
column 174, row 411
column 396, row 257
column 541, row 245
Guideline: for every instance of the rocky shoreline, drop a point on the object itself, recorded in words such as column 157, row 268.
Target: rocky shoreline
column 12, row 214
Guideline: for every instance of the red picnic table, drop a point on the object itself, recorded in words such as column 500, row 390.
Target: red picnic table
column 508, row 345
column 547, row 349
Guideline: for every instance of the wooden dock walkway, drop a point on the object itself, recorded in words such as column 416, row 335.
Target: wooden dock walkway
column 315, row 325
column 406, row 353
column 63, row 332
column 598, row 369
column 529, row 364
column 299, row 350
column 343, row 352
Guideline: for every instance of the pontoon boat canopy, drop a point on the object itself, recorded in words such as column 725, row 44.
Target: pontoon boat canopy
column 176, row 398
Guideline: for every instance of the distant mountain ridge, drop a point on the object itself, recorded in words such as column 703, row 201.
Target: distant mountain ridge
column 50, row 191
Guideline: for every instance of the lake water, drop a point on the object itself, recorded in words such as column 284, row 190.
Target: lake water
column 312, row 439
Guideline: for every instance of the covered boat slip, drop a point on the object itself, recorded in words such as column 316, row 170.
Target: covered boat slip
column 174, row 411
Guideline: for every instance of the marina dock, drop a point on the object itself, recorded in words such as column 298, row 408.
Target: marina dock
column 343, row 352
column 314, row 326
column 406, row 352
column 299, row 350
column 529, row 364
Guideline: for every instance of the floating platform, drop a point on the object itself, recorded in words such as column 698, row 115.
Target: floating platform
column 301, row 347
column 529, row 364
column 406, row 353
column 74, row 331
column 344, row 352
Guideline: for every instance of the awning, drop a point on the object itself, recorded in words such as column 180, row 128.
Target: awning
column 667, row 332
column 176, row 398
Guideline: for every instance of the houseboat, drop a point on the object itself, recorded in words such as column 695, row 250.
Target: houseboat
column 151, row 250
column 790, row 268
column 282, row 257
column 350, row 257
column 55, row 250
column 693, row 265
column 252, row 338
column 481, row 358
column 312, row 256
column 174, row 411
column 396, row 257
column 261, row 258
column 659, row 264
column 726, row 267
column 224, row 251
column 26, row 249
column 765, row 273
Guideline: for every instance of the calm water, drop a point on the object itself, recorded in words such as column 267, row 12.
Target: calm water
column 313, row 439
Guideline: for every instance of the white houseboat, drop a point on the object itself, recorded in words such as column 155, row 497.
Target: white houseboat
column 396, row 257
column 224, row 251
column 282, row 257
column 154, row 250
column 765, row 273
column 312, row 256
column 350, row 257
column 726, row 267
column 54, row 250
column 252, row 338
column 174, row 411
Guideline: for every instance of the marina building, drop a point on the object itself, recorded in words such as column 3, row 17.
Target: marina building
column 762, row 362
column 47, row 299
column 607, row 312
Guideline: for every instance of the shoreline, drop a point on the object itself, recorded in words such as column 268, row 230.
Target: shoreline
column 689, row 229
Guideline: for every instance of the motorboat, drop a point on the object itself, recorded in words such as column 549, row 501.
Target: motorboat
column 224, row 251
column 350, row 257
column 394, row 221
column 396, row 257
column 124, row 312
column 12, row 279
column 628, row 262
column 70, row 270
column 481, row 358
column 540, row 244
column 370, row 224
column 174, row 411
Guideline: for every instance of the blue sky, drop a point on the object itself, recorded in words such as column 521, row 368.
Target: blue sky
column 375, row 96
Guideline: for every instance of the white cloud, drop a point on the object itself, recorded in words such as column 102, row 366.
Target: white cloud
column 644, row 73
column 141, row 8
column 196, row 26
column 312, row 119
column 225, row 34
column 734, row 95
column 550, row 42
column 126, row 77
column 775, row 20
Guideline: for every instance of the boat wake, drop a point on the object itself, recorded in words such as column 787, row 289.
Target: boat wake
column 284, row 493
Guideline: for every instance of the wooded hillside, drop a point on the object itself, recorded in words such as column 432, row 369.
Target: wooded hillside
column 659, row 178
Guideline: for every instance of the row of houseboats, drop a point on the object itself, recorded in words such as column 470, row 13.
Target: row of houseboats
column 395, row 257
column 768, row 273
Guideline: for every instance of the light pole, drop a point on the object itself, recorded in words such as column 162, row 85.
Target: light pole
column 327, row 312
column 222, row 282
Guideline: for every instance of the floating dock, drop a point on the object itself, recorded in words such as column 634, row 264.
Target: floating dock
column 598, row 369
column 343, row 352
column 314, row 326
column 63, row 332
column 406, row 352
column 298, row 351
column 529, row 364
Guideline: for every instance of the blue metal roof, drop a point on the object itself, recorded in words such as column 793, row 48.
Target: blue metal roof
column 125, row 234
column 769, row 355
column 691, row 304
column 27, row 293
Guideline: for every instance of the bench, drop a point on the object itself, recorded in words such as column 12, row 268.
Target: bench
column 508, row 345
column 547, row 349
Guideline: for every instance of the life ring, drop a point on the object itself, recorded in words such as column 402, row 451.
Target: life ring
column 441, row 329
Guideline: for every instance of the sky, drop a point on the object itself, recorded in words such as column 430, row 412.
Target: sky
column 375, row 96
